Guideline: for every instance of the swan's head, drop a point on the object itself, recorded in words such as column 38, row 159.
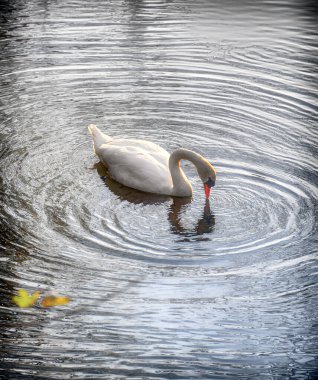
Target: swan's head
column 207, row 174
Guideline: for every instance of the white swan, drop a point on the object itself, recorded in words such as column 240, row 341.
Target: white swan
column 145, row 166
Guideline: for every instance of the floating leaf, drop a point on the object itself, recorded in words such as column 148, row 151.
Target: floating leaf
column 53, row 300
column 24, row 299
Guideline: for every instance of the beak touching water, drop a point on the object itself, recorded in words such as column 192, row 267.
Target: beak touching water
column 207, row 190
column 207, row 187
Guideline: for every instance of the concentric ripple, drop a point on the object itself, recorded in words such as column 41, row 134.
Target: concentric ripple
column 251, row 211
column 161, row 287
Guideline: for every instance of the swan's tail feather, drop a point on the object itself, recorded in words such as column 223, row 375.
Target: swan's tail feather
column 99, row 137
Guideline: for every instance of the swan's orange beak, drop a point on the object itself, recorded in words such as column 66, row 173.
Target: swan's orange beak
column 207, row 187
column 207, row 190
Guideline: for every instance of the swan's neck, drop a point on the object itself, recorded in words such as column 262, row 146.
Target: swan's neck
column 181, row 185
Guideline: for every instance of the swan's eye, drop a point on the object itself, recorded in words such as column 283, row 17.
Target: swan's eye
column 210, row 182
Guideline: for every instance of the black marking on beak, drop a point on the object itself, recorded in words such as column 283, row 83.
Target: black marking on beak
column 210, row 182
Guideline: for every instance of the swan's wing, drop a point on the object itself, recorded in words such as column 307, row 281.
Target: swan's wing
column 145, row 146
column 137, row 164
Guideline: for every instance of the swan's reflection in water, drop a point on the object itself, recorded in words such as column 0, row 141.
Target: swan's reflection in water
column 204, row 225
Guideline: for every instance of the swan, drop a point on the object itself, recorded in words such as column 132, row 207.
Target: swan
column 145, row 166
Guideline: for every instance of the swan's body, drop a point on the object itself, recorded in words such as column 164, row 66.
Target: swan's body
column 145, row 166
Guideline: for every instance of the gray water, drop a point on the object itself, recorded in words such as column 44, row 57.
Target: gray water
column 161, row 288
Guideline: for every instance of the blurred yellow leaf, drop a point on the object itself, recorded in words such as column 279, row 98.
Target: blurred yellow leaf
column 52, row 300
column 24, row 299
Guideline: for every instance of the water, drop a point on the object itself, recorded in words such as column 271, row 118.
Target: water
column 160, row 288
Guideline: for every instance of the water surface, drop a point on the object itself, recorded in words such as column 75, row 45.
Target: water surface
column 161, row 288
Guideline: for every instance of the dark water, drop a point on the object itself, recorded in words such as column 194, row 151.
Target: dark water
column 161, row 288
